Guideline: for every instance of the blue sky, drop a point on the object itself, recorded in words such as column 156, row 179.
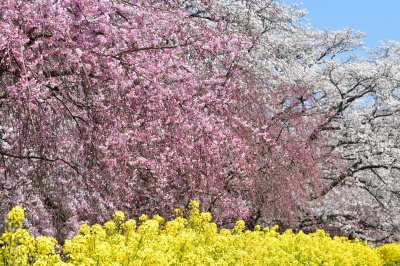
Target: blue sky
column 379, row 19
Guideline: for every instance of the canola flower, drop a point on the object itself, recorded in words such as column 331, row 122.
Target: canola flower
column 195, row 240
column 18, row 247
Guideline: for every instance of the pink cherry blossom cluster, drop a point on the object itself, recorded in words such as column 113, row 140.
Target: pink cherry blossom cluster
column 142, row 106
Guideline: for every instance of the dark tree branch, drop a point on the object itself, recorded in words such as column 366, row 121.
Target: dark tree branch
column 34, row 157
column 332, row 185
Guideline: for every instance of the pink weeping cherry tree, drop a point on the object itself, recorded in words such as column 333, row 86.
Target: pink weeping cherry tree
column 142, row 106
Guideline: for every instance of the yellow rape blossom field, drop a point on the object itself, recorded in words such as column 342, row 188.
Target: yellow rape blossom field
column 192, row 241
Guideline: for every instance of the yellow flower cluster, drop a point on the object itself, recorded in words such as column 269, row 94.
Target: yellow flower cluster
column 18, row 247
column 192, row 241
column 390, row 254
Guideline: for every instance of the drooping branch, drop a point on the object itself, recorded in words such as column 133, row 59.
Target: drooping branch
column 42, row 158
